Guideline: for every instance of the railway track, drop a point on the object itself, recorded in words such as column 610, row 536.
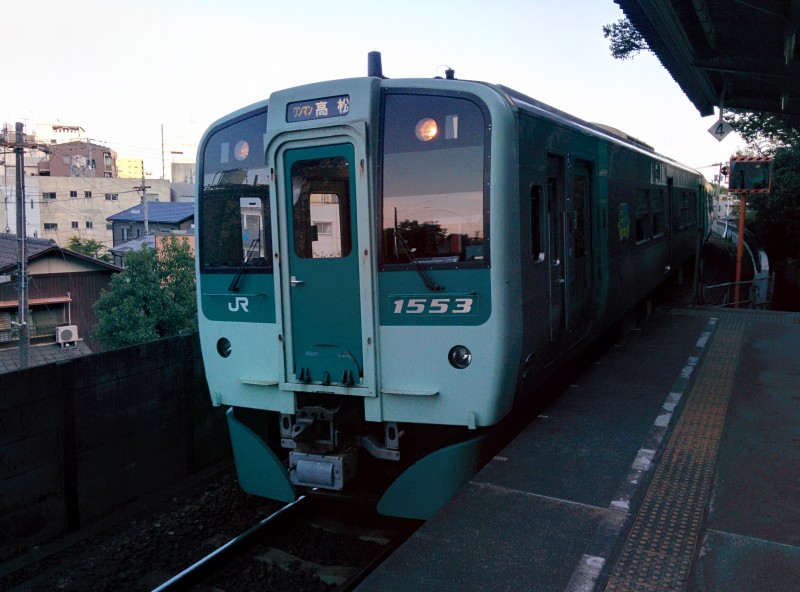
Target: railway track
column 309, row 544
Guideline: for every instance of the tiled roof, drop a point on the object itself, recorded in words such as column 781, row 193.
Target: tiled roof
column 40, row 248
column 47, row 353
column 8, row 247
column 182, row 192
column 157, row 211
column 135, row 245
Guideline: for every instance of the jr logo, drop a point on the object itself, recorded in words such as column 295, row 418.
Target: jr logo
column 241, row 302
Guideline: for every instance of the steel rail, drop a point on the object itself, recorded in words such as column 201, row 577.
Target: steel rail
column 187, row 577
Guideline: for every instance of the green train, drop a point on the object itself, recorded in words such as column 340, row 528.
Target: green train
column 388, row 268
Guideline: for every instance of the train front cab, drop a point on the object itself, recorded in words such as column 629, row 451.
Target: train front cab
column 383, row 315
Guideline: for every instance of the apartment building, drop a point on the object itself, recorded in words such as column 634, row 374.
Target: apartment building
column 73, row 185
column 81, row 206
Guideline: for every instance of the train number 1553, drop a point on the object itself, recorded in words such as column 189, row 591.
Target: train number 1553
column 434, row 306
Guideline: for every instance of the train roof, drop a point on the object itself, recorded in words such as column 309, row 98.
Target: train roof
column 534, row 106
column 522, row 102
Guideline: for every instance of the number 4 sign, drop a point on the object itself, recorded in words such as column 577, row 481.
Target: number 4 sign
column 720, row 129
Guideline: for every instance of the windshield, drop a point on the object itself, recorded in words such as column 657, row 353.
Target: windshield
column 433, row 180
column 235, row 232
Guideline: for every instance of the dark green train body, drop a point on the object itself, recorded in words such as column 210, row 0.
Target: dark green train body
column 386, row 267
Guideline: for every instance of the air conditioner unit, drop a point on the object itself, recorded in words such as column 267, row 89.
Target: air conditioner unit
column 66, row 334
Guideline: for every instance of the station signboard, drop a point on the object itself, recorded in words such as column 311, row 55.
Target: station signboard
column 750, row 175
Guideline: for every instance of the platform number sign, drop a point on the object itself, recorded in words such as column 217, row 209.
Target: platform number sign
column 720, row 129
column 751, row 175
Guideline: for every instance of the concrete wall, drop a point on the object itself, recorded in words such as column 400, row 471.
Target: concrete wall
column 81, row 438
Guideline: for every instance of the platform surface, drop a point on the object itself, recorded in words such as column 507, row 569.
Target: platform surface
column 672, row 464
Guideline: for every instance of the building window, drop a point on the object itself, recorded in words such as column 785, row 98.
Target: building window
column 50, row 226
column 112, row 197
column 107, row 160
column 109, row 227
column 87, row 194
column 74, row 225
column 73, row 195
column 49, row 195
column 324, row 228
column 89, row 225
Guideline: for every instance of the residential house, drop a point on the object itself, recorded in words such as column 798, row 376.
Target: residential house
column 62, row 288
column 162, row 218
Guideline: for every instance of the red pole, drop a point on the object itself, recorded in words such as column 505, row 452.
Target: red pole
column 739, row 249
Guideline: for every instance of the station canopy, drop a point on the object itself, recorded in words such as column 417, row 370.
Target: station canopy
column 739, row 54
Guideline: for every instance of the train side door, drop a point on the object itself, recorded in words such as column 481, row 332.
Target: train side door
column 556, row 224
column 323, row 266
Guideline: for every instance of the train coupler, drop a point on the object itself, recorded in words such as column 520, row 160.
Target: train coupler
column 326, row 471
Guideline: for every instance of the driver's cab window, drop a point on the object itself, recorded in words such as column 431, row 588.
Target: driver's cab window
column 234, row 203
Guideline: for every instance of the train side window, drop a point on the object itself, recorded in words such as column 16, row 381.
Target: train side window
column 657, row 214
column 642, row 220
column 580, row 186
column 537, row 248
column 685, row 214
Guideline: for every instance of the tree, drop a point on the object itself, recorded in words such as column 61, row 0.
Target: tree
column 626, row 41
column 776, row 224
column 88, row 247
column 776, row 216
column 152, row 298
column 764, row 132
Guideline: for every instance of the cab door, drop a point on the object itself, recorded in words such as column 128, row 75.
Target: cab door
column 324, row 309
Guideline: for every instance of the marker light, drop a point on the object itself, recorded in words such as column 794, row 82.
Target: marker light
column 426, row 129
column 459, row 357
column 241, row 150
column 224, row 347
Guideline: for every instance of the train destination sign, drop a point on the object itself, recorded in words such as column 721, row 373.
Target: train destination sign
column 322, row 108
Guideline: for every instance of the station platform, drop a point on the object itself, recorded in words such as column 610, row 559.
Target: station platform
column 672, row 464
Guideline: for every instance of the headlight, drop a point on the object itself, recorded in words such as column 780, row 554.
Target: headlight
column 224, row 347
column 459, row 357
column 242, row 150
column 426, row 129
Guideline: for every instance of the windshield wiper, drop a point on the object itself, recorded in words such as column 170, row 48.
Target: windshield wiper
column 423, row 273
column 234, row 287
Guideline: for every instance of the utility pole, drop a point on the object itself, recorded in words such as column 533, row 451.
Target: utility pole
column 22, row 254
column 19, row 145
column 163, row 166
column 143, row 188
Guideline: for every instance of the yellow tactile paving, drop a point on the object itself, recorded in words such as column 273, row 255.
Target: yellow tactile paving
column 658, row 552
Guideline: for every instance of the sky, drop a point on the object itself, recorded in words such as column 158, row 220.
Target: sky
column 123, row 71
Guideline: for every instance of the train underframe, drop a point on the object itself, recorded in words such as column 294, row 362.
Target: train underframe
column 411, row 469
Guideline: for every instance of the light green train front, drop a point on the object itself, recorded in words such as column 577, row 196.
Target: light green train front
column 351, row 234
